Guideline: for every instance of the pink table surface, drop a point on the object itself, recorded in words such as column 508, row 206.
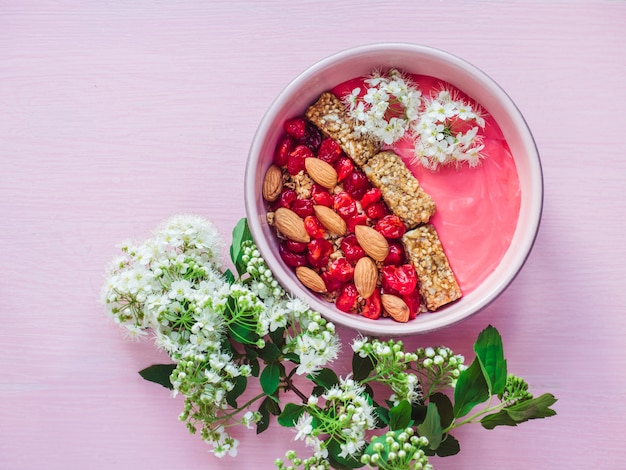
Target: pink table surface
column 115, row 115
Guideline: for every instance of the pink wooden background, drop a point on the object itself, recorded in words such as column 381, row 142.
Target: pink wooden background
column 115, row 115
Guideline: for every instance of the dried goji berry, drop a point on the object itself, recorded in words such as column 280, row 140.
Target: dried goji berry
column 370, row 196
column 346, row 300
column 295, row 127
column 290, row 258
column 341, row 270
column 287, row 197
column 319, row 251
column 295, row 162
column 302, row 207
column 284, row 147
column 351, row 248
column 401, row 279
column 397, row 255
column 358, row 219
column 314, row 227
column 391, row 226
column 329, row 151
column 345, row 205
column 377, row 210
column 321, row 196
column 355, row 184
column 344, row 167
column 373, row 306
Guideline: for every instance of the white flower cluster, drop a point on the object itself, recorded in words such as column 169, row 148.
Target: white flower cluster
column 444, row 128
column 398, row 450
column 391, row 363
column 347, row 414
column 441, row 365
column 173, row 285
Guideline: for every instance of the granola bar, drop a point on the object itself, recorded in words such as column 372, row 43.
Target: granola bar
column 329, row 115
column 400, row 189
column 437, row 283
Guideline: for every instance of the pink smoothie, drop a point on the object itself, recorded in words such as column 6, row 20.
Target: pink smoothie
column 477, row 208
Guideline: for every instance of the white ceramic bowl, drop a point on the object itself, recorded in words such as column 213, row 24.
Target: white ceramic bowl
column 417, row 59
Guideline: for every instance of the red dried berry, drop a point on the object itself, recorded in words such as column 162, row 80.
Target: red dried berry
column 284, row 147
column 290, row 258
column 287, row 197
column 370, row 196
column 359, row 219
column 400, row 279
column 341, row 270
column 295, row 247
column 346, row 300
column 331, row 283
column 345, row 205
column 302, row 207
column 373, row 306
column 319, row 251
column 329, row 151
column 321, row 196
column 351, row 248
column 312, row 137
column 397, row 255
column 412, row 301
column 391, row 226
column 314, row 227
column 355, row 184
column 344, row 167
column 295, row 127
column 295, row 162
column 377, row 210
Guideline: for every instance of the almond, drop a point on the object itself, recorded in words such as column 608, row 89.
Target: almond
column 330, row 219
column 372, row 242
column 365, row 276
column 321, row 172
column 291, row 225
column 395, row 307
column 311, row 279
column 272, row 183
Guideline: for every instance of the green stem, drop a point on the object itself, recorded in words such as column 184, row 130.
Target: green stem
column 488, row 409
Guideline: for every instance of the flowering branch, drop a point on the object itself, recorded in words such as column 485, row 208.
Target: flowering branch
column 224, row 330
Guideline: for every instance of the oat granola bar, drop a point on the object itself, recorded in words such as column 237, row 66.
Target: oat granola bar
column 329, row 115
column 437, row 283
column 400, row 189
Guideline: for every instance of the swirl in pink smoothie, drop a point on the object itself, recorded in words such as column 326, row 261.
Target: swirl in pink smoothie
column 477, row 208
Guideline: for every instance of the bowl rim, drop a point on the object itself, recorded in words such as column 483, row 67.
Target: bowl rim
column 435, row 321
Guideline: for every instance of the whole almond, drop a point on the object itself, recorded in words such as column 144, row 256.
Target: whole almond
column 311, row 279
column 395, row 307
column 372, row 242
column 321, row 172
column 272, row 183
column 365, row 276
column 291, row 225
column 330, row 219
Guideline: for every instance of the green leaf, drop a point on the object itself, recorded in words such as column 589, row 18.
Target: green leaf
column 382, row 416
column 241, row 233
column 242, row 334
column 229, row 276
column 270, row 378
column 290, row 415
column 431, row 427
column 278, row 337
column 501, row 418
column 444, row 407
column 400, row 416
column 471, row 389
column 490, row 354
column 240, row 383
column 324, row 377
column 361, row 367
column 268, row 407
column 159, row 373
column 533, row 408
column 270, row 352
column 449, row 446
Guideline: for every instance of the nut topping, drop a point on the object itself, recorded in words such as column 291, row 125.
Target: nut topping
column 311, row 279
column 374, row 244
column 322, row 172
column 273, row 183
column 290, row 225
column 395, row 307
column 365, row 276
column 330, row 219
